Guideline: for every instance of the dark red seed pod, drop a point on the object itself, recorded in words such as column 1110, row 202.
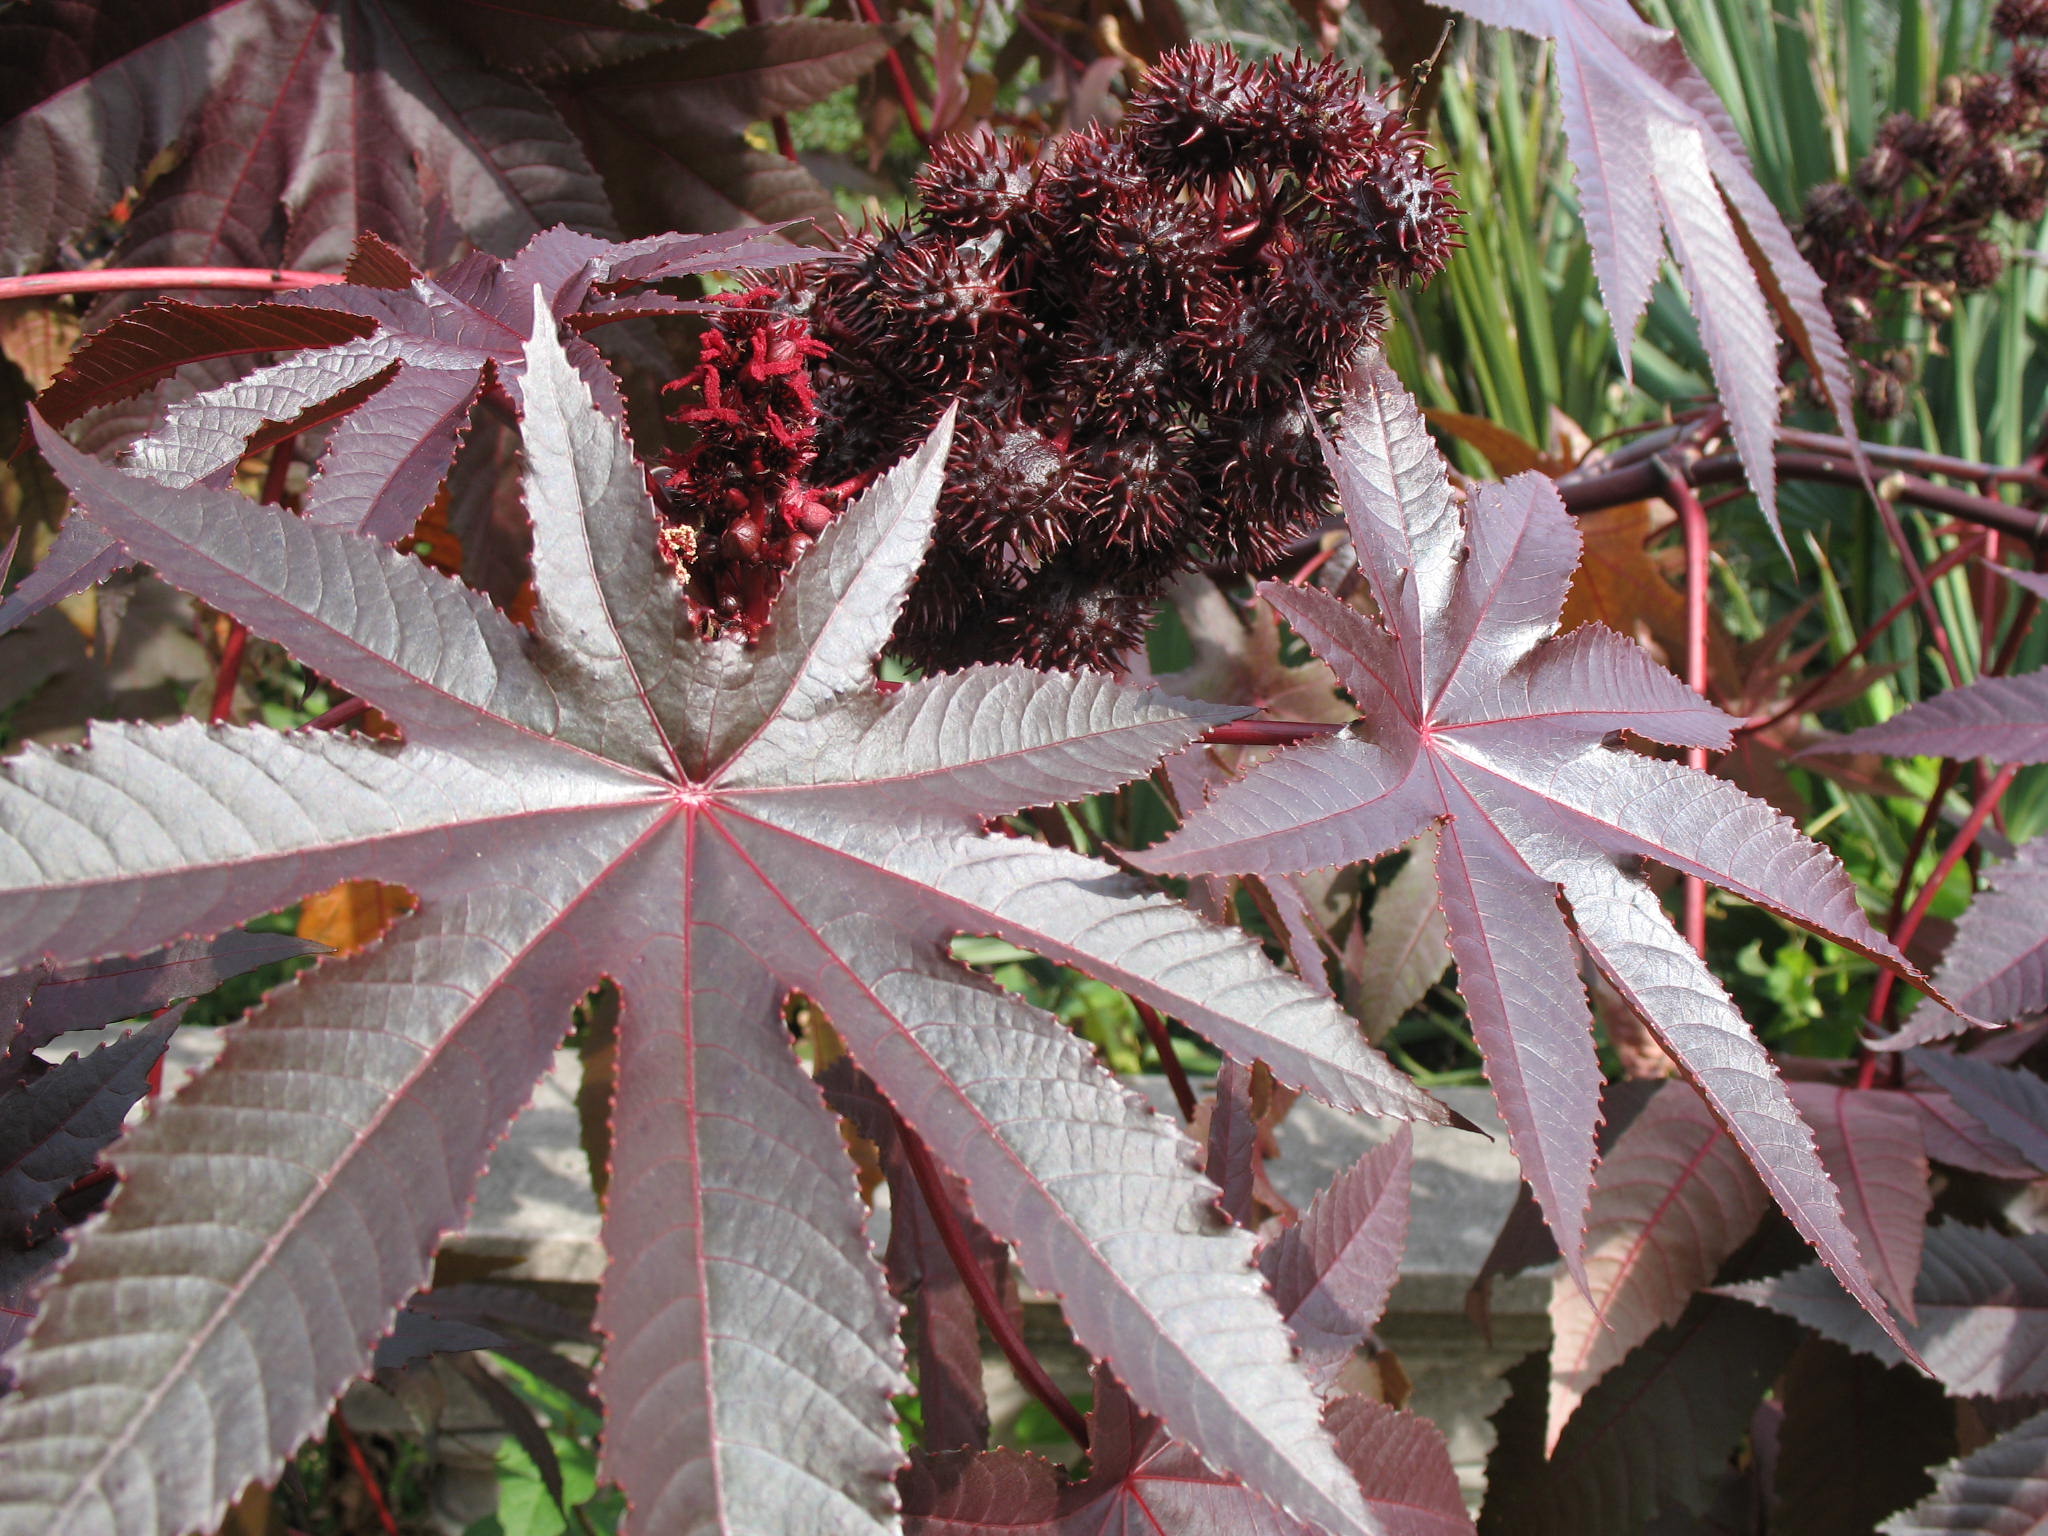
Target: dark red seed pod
column 1118, row 377
column 1314, row 116
column 1196, row 114
column 1836, row 216
column 1142, row 497
column 1243, row 350
column 1978, row 264
column 1993, row 104
column 1060, row 625
column 975, row 184
column 1012, row 493
column 1329, row 316
column 2026, row 193
column 1882, row 171
column 1392, row 217
column 1941, row 141
column 2030, row 72
column 1152, row 251
column 2020, row 18
column 1264, row 484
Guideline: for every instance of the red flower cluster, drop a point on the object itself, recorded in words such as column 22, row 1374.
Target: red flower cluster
column 736, row 512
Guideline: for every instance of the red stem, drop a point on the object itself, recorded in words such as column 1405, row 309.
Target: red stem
column 1692, row 519
column 1938, row 631
column 229, row 673
column 125, row 279
column 361, row 1463
column 1866, row 640
column 237, row 643
column 1902, row 933
column 1944, row 781
column 1001, row 1326
column 901, row 76
column 1616, row 484
column 1169, row 1059
column 340, row 715
column 1267, row 733
column 750, row 11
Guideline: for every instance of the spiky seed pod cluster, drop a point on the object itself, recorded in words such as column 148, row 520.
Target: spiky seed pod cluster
column 1144, row 328
column 1920, row 223
column 734, row 505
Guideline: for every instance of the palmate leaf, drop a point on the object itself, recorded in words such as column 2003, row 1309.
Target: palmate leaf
column 710, row 826
column 1653, row 1436
column 1998, row 1490
column 1872, row 1142
column 53, row 1000
column 1475, row 716
column 2002, row 718
column 2008, row 1102
column 1674, row 1199
column 1140, row 1480
column 1983, row 1311
column 1658, row 158
column 1856, row 1441
column 1332, row 1271
column 668, row 129
column 299, row 125
column 1996, row 968
column 53, row 1129
column 424, row 350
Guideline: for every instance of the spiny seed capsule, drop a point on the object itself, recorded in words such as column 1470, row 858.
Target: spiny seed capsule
column 1143, row 327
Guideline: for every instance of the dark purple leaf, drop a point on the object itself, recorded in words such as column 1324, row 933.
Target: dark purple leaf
column 1655, row 1434
column 1141, row 1481
column 1983, row 1305
column 299, row 125
column 1856, row 1439
column 2009, row 1102
column 52, row 1130
column 1408, row 948
column 1657, row 157
column 1871, row 1141
column 1996, row 966
column 2035, row 582
column 1960, row 1139
column 81, row 556
column 667, row 129
column 1332, row 1271
column 1524, row 1241
column 1474, row 714
column 416, row 1336
column 107, row 991
column 1673, row 1199
column 710, row 826
column 548, row 37
column 2002, row 718
column 153, row 342
column 1231, row 1149
column 1999, row 1490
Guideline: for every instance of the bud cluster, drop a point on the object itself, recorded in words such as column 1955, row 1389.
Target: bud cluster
column 1144, row 329
column 1917, row 226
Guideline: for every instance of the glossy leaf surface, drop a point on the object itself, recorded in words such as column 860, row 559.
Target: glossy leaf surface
column 1475, row 715
column 710, row 826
